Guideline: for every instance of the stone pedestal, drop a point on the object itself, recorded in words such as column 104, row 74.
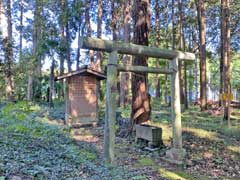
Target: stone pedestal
column 150, row 133
column 176, row 156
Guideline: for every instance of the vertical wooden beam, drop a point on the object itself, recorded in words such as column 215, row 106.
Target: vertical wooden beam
column 67, row 103
column 177, row 153
column 176, row 106
column 111, row 105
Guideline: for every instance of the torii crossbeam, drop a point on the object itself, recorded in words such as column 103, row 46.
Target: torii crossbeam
column 177, row 152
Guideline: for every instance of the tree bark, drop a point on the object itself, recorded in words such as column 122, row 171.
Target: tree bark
column 78, row 48
column 226, row 57
column 8, row 51
column 202, row 50
column 68, row 43
column 125, row 76
column 89, row 30
column 180, row 47
column 114, row 20
column 157, row 30
column 61, row 55
column 173, row 25
column 99, row 57
column 51, row 84
column 140, row 97
column 21, row 30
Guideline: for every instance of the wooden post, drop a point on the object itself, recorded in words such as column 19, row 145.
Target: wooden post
column 111, row 104
column 177, row 153
column 67, row 108
column 176, row 106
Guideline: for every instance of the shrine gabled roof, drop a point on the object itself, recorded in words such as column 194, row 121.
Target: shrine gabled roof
column 83, row 71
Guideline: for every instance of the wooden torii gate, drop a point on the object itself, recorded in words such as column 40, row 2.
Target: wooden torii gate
column 177, row 153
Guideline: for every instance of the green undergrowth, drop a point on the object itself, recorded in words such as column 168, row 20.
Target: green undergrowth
column 168, row 174
column 33, row 148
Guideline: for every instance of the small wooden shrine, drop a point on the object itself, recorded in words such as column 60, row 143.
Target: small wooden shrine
column 82, row 96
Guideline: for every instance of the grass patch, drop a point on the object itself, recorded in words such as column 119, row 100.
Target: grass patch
column 231, row 132
column 201, row 133
column 35, row 149
column 145, row 162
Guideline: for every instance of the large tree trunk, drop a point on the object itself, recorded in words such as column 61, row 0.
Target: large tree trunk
column 157, row 30
column 125, row 76
column 140, row 99
column 202, row 50
column 8, row 51
column 226, row 58
column 34, row 74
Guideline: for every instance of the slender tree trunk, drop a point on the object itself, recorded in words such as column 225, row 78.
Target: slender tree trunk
column 226, row 62
column 173, row 25
column 140, row 99
column 21, row 30
column 51, row 84
column 223, row 24
column 202, row 50
column 89, row 30
column 61, row 55
column 8, row 51
column 68, row 52
column 157, row 30
column 99, row 35
column 114, row 38
column 125, row 76
column 36, row 70
column 78, row 48
column 114, row 20
column 166, row 92
column 180, row 47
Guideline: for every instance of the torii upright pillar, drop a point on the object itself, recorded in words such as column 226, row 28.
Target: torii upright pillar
column 176, row 154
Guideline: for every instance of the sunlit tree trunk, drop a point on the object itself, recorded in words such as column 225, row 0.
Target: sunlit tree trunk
column 202, row 51
column 140, row 98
